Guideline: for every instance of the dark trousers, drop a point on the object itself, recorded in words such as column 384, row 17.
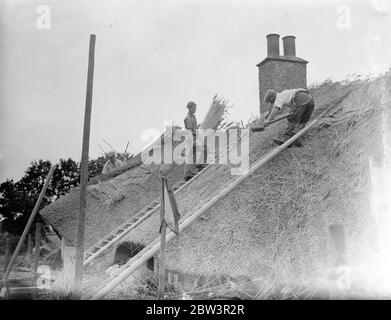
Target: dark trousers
column 301, row 113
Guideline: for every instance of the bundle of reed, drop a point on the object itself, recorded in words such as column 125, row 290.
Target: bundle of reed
column 216, row 117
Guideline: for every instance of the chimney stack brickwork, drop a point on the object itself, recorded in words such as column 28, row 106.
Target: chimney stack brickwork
column 280, row 72
column 273, row 45
column 289, row 46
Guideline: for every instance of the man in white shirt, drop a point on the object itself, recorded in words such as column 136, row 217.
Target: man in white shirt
column 301, row 104
column 111, row 163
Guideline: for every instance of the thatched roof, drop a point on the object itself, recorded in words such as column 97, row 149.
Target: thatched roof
column 109, row 204
column 123, row 191
column 254, row 230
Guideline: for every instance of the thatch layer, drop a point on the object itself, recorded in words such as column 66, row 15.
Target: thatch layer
column 122, row 192
column 275, row 223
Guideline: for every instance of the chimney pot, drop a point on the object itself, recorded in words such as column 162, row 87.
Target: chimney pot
column 289, row 46
column 273, row 44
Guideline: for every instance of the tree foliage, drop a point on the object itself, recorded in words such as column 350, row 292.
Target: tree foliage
column 17, row 199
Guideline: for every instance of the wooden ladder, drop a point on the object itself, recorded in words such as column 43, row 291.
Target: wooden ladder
column 121, row 231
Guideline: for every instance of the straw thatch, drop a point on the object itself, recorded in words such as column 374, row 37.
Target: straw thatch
column 273, row 227
column 122, row 192
column 217, row 114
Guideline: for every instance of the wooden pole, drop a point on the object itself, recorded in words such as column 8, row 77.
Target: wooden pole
column 63, row 245
column 68, row 269
column 37, row 251
column 337, row 259
column 84, row 172
column 36, row 257
column 162, row 269
column 29, row 222
column 29, row 248
column 7, row 251
column 337, row 245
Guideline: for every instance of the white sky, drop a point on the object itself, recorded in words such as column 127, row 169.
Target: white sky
column 152, row 57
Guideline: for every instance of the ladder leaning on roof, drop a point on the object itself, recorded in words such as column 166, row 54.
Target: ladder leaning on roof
column 150, row 250
column 121, row 231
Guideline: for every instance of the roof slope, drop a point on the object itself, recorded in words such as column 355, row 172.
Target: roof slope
column 274, row 226
column 275, row 223
column 109, row 204
column 213, row 179
column 123, row 191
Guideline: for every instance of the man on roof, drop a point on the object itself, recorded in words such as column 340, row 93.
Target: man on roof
column 301, row 105
column 190, row 121
column 111, row 163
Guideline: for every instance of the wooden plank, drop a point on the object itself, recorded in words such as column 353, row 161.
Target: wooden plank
column 37, row 252
column 7, row 251
column 29, row 248
column 29, row 222
column 163, row 228
column 340, row 273
column 69, row 269
column 78, row 282
column 23, row 290
column 63, row 245
column 337, row 245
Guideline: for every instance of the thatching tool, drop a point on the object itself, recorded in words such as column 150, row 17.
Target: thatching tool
column 262, row 127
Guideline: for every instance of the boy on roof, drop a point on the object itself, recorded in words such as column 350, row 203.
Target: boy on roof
column 301, row 104
column 111, row 163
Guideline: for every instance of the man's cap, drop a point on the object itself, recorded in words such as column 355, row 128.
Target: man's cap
column 190, row 104
column 268, row 95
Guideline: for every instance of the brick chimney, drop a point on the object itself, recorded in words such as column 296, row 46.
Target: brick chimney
column 273, row 45
column 289, row 46
column 280, row 72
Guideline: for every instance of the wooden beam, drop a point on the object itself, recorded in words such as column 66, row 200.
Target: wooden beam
column 69, row 269
column 340, row 273
column 337, row 245
column 37, row 252
column 29, row 222
column 23, row 290
column 84, row 172
column 7, row 251
column 163, row 228
column 29, row 248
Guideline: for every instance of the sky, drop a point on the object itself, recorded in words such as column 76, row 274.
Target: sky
column 152, row 57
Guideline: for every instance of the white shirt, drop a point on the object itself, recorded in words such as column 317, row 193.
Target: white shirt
column 286, row 98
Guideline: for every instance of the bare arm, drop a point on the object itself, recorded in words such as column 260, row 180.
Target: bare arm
column 275, row 110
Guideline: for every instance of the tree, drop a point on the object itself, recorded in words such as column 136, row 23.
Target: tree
column 14, row 204
column 65, row 177
column 95, row 166
column 17, row 199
